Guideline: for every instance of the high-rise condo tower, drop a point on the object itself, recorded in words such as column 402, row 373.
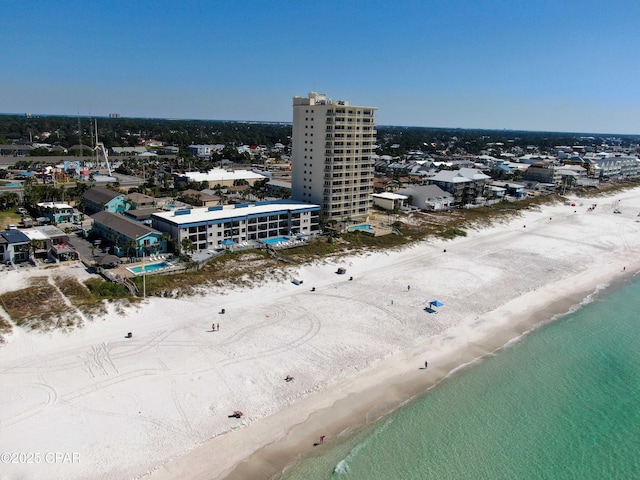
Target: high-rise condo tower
column 333, row 146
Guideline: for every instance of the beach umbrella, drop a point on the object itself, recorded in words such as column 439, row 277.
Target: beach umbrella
column 436, row 303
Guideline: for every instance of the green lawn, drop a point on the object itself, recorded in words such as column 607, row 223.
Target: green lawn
column 8, row 217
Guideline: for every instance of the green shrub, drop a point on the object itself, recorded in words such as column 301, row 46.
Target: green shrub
column 103, row 289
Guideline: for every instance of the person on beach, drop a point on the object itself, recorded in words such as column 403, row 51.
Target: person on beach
column 426, row 364
column 408, row 287
column 218, row 327
column 213, row 327
column 322, row 439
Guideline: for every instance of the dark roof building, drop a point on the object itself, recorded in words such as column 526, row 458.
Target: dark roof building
column 140, row 200
column 97, row 199
column 128, row 236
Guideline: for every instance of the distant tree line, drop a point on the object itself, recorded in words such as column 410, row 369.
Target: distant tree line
column 127, row 132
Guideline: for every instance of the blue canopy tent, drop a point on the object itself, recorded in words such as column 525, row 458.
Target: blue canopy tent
column 228, row 244
column 433, row 303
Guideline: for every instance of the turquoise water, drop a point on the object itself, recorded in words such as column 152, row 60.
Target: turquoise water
column 563, row 403
column 271, row 241
column 362, row 226
column 149, row 267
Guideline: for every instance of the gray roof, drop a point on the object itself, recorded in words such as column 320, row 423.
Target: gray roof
column 137, row 197
column 202, row 195
column 449, row 176
column 474, row 174
column 100, row 195
column 129, row 228
column 423, row 194
column 141, row 213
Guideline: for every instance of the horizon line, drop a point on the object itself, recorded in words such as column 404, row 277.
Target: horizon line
column 276, row 122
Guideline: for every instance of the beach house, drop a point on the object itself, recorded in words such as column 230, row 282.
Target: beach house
column 467, row 185
column 98, row 199
column 15, row 246
column 428, row 197
column 58, row 212
column 389, row 201
column 126, row 236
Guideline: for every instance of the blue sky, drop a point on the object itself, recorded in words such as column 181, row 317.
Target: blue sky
column 554, row 65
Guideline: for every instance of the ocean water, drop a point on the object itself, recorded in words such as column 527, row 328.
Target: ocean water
column 562, row 403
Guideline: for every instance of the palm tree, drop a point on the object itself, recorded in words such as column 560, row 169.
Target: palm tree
column 166, row 238
column 130, row 247
column 186, row 245
column 37, row 245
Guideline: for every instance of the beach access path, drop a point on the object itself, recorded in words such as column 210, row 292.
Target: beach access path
column 159, row 405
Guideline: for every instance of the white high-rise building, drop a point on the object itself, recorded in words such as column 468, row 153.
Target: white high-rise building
column 333, row 147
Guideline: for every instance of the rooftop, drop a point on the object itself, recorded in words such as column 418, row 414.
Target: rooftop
column 223, row 212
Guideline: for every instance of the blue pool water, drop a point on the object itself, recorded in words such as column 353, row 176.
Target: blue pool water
column 272, row 241
column 149, row 267
column 362, row 226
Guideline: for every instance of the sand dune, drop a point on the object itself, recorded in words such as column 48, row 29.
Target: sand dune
column 158, row 405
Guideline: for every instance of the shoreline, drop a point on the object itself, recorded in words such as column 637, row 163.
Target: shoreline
column 157, row 406
column 378, row 393
column 383, row 394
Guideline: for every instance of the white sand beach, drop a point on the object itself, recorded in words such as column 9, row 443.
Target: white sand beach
column 157, row 406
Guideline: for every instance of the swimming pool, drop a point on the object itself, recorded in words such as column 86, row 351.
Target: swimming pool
column 148, row 267
column 362, row 226
column 272, row 241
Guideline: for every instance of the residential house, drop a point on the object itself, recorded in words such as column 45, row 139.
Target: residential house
column 575, row 175
column 143, row 215
column 15, row 150
column 140, row 201
column 616, row 166
column 389, row 201
column 198, row 198
column 59, row 212
column 204, row 151
column 467, row 185
column 543, row 172
column 507, row 189
column 51, row 242
column 587, row 163
column 15, row 246
column 99, row 199
column 278, row 187
column 428, row 197
column 171, row 150
column 128, row 150
column 128, row 237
